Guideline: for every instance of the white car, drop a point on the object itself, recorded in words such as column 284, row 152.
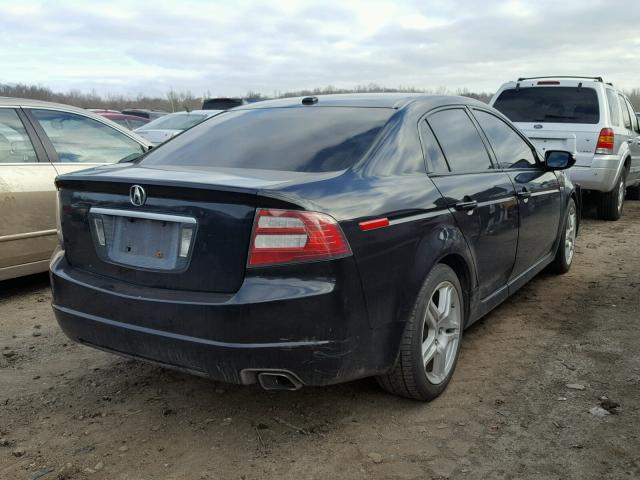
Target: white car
column 168, row 126
column 586, row 116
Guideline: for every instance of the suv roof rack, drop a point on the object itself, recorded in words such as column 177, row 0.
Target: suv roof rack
column 598, row 79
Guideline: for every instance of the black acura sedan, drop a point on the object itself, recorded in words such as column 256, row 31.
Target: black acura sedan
column 312, row 241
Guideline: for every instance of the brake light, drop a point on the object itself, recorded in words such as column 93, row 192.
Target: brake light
column 605, row 141
column 290, row 236
column 549, row 82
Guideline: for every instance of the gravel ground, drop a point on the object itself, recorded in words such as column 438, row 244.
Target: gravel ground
column 519, row 406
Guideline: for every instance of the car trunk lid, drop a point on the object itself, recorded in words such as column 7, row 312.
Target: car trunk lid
column 191, row 232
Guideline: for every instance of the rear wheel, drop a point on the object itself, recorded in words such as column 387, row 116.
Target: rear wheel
column 567, row 245
column 611, row 203
column 431, row 342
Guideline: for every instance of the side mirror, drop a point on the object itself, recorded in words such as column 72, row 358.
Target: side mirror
column 559, row 160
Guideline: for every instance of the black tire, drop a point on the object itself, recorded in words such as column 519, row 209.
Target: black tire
column 564, row 258
column 408, row 378
column 610, row 203
column 633, row 193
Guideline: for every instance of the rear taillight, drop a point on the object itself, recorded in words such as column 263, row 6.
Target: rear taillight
column 605, row 141
column 290, row 236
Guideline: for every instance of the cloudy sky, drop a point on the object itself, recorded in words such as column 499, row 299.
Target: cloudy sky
column 231, row 47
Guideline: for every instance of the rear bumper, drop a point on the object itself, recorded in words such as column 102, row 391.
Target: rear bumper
column 315, row 328
column 589, row 178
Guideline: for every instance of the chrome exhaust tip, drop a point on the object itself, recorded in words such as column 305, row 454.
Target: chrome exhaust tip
column 278, row 381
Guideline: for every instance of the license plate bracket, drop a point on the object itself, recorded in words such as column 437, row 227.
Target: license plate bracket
column 141, row 240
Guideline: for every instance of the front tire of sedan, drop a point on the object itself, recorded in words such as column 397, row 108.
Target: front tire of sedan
column 567, row 245
column 430, row 345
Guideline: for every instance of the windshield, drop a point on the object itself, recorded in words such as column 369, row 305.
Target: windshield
column 300, row 139
column 180, row 121
column 550, row 104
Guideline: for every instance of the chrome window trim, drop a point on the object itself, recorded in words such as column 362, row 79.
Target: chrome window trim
column 162, row 217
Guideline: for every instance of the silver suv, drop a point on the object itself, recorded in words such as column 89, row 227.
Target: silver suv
column 589, row 117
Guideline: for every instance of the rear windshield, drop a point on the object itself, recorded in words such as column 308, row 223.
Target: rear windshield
column 174, row 122
column 299, row 139
column 550, row 104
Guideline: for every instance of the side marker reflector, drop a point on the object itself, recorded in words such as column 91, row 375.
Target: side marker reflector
column 373, row 224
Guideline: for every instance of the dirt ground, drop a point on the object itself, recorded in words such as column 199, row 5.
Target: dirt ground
column 67, row 411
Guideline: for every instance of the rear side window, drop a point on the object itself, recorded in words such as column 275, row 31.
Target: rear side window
column 299, row 139
column 614, row 108
column 510, row 149
column 15, row 145
column 79, row 139
column 550, row 104
column 625, row 113
column 435, row 158
column 460, row 141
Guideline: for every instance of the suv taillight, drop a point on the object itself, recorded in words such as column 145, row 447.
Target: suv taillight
column 291, row 236
column 605, row 142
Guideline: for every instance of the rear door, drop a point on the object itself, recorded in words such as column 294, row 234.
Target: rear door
column 538, row 191
column 76, row 142
column 27, row 201
column 481, row 197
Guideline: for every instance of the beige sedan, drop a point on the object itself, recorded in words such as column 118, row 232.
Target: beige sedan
column 38, row 141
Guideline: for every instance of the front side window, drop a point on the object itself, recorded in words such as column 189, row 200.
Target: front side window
column 510, row 149
column 550, row 104
column 15, row 145
column 460, row 141
column 626, row 119
column 79, row 139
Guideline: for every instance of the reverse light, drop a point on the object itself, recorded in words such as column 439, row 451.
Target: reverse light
column 185, row 241
column 291, row 236
column 606, row 142
column 99, row 229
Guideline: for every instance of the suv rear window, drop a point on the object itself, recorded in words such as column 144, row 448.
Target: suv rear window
column 299, row 139
column 550, row 104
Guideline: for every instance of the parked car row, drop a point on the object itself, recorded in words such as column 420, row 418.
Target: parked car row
column 163, row 128
column 315, row 240
column 127, row 121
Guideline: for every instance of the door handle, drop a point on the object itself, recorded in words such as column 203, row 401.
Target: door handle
column 524, row 193
column 630, row 140
column 470, row 205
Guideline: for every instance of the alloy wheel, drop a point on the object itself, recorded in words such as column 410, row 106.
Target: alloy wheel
column 620, row 194
column 570, row 235
column 441, row 333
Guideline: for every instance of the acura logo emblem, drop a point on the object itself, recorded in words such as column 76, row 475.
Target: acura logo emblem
column 137, row 195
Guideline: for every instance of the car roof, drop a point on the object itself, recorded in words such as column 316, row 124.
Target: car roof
column 29, row 103
column 370, row 100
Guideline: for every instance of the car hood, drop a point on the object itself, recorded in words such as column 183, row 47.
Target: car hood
column 157, row 136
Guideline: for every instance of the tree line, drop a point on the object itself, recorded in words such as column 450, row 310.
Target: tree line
column 174, row 101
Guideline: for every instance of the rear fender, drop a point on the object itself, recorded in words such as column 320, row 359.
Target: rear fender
column 441, row 242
